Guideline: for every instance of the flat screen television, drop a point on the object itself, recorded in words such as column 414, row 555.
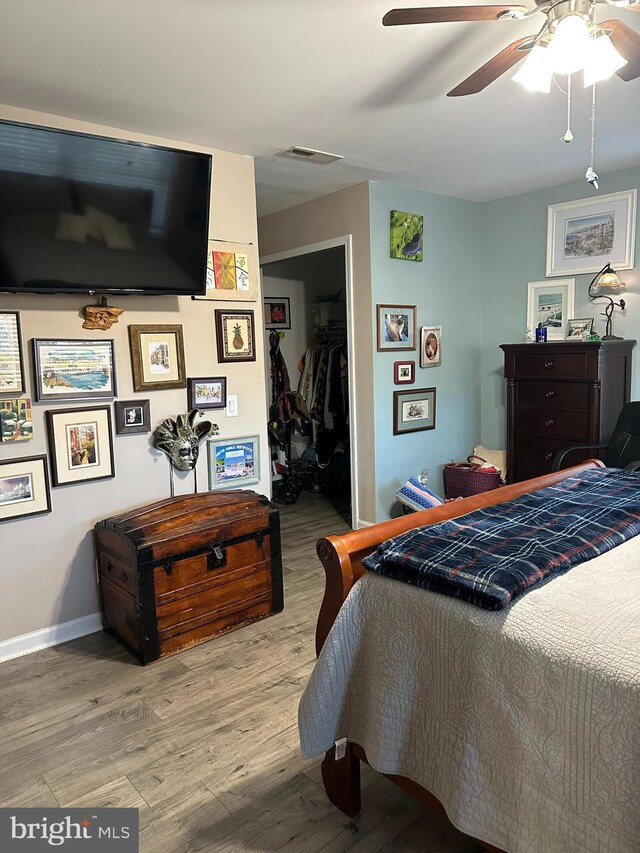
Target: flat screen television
column 87, row 214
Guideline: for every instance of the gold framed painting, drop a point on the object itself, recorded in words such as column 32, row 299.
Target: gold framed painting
column 157, row 357
column 80, row 444
column 232, row 272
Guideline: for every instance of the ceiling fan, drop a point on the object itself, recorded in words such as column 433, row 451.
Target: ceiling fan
column 569, row 28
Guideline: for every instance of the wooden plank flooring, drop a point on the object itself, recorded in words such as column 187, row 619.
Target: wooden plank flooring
column 204, row 744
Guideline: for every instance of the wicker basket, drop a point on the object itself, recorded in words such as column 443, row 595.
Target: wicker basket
column 463, row 479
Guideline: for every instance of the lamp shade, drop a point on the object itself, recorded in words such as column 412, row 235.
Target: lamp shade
column 570, row 45
column 603, row 60
column 536, row 72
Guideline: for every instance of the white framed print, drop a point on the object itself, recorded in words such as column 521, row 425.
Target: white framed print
column 586, row 234
column 431, row 346
column 551, row 304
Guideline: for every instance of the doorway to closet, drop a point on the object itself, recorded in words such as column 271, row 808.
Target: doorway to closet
column 310, row 387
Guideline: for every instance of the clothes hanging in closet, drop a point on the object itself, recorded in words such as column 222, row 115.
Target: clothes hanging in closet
column 324, row 384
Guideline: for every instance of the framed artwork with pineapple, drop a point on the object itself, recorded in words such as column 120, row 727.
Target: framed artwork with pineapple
column 235, row 335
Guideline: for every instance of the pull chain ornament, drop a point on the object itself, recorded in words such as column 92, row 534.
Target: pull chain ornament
column 568, row 137
column 591, row 175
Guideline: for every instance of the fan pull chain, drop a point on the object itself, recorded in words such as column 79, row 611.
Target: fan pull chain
column 591, row 175
column 568, row 137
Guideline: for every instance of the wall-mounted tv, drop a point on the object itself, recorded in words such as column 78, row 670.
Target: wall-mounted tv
column 87, row 214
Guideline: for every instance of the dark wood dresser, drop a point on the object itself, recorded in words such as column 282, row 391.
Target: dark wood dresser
column 561, row 394
column 178, row 572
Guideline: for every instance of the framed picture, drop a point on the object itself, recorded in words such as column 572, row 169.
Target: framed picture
column 406, row 230
column 11, row 364
column 579, row 329
column 132, row 416
column 431, row 346
column 277, row 312
column 24, row 487
column 404, row 372
column 550, row 303
column 235, row 335
column 232, row 272
column 233, row 462
column 414, row 410
column 209, row 393
column 15, row 420
column 584, row 235
column 396, row 327
column 157, row 357
column 73, row 369
column 80, row 445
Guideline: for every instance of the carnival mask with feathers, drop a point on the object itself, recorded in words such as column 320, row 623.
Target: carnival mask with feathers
column 180, row 439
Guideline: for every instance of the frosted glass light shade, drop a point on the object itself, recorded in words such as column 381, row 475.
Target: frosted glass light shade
column 536, row 72
column 570, row 46
column 603, row 60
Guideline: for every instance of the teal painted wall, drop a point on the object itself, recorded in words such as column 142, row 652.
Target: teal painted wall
column 446, row 287
column 515, row 251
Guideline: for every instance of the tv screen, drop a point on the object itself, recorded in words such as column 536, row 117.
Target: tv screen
column 82, row 213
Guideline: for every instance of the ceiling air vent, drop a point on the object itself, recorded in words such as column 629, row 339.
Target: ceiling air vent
column 310, row 155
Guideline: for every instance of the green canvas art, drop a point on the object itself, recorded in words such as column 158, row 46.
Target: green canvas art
column 406, row 235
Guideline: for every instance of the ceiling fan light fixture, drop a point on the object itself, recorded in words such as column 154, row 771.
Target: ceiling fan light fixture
column 603, row 60
column 570, row 45
column 535, row 74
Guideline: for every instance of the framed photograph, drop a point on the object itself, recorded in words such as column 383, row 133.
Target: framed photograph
column 277, row 312
column 157, row 357
column 24, row 487
column 209, row 393
column 233, row 462
column 73, row 369
column 406, row 230
column 431, row 346
column 80, row 445
column 232, row 272
column 550, row 303
column 235, row 335
column 11, row 364
column 132, row 416
column 15, row 420
column 414, row 410
column 584, row 235
column 396, row 327
column 404, row 372
column 579, row 329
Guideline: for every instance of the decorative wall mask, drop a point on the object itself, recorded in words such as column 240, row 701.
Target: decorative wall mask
column 180, row 438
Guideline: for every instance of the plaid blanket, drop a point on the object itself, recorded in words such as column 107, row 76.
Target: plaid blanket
column 494, row 554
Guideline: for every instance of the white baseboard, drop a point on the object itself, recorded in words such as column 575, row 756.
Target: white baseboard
column 363, row 523
column 25, row 644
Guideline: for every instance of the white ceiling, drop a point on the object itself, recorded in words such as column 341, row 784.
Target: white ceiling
column 257, row 76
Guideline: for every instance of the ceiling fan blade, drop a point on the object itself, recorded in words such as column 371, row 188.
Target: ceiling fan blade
column 441, row 14
column 492, row 69
column 627, row 42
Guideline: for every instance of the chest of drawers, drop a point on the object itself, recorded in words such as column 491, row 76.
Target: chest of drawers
column 561, row 394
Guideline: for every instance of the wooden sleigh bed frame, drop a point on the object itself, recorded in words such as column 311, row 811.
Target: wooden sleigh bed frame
column 342, row 558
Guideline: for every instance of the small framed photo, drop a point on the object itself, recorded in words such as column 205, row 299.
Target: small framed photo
column 414, row 410
column 209, row 393
column 579, row 329
column 157, row 357
column 80, row 445
column 233, row 462
column 404, row 372
column 15, row 420
column 73, row 370
column 235, row 335
column 24, row 487
column 11, row 364
column 431, row 346
column 396, row 327
column 277, row 312
column 551, row 304
column 132, row 416
column 232, row 272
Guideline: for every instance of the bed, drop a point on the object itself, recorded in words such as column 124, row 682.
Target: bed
column 522, row 724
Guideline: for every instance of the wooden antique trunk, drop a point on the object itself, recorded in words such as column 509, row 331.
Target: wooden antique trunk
column 178, row 572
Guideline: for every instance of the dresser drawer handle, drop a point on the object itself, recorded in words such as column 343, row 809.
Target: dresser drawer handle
column 549, row 422
column 217, row 556
column 548, row 365
column 125, row 577
column 550, row 395
column 548, row 455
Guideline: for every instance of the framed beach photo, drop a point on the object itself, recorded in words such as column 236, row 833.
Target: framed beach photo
column 132, row 416
column 414, row 410
column 404, row 372
column 235, row 335
column 16, row 423
column 24, row 487
column 578, row 329
column 80, row 445
column 277, row 312
column 157, row 357
column 207, row 393
column 431, row 346
column 584, row 235
column 11, row 364
column 396, row 327
column 551, row 304
column 73, row 369
column 233, row 462
column 232, row 272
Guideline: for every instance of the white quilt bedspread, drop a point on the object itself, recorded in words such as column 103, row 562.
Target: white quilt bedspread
column 525, row 723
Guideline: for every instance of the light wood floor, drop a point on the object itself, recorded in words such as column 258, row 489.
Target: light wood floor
column 204, row 744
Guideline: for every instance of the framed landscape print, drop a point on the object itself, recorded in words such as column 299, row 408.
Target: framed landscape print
column 233, row 462
column 277, row 312
column 209, row 393
column 24, row 487
column 404, row 372
column 11, row 364
column 80, row 444
column 132, row 416
column 15, row 420
column 232, row 272
column 431, row 346
column 396, row 327
column 235, row 335
column 157, row 357
column 73, row 369
column 584, row 235
column 579, row 328
column 550, row 303
column 414, row 410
